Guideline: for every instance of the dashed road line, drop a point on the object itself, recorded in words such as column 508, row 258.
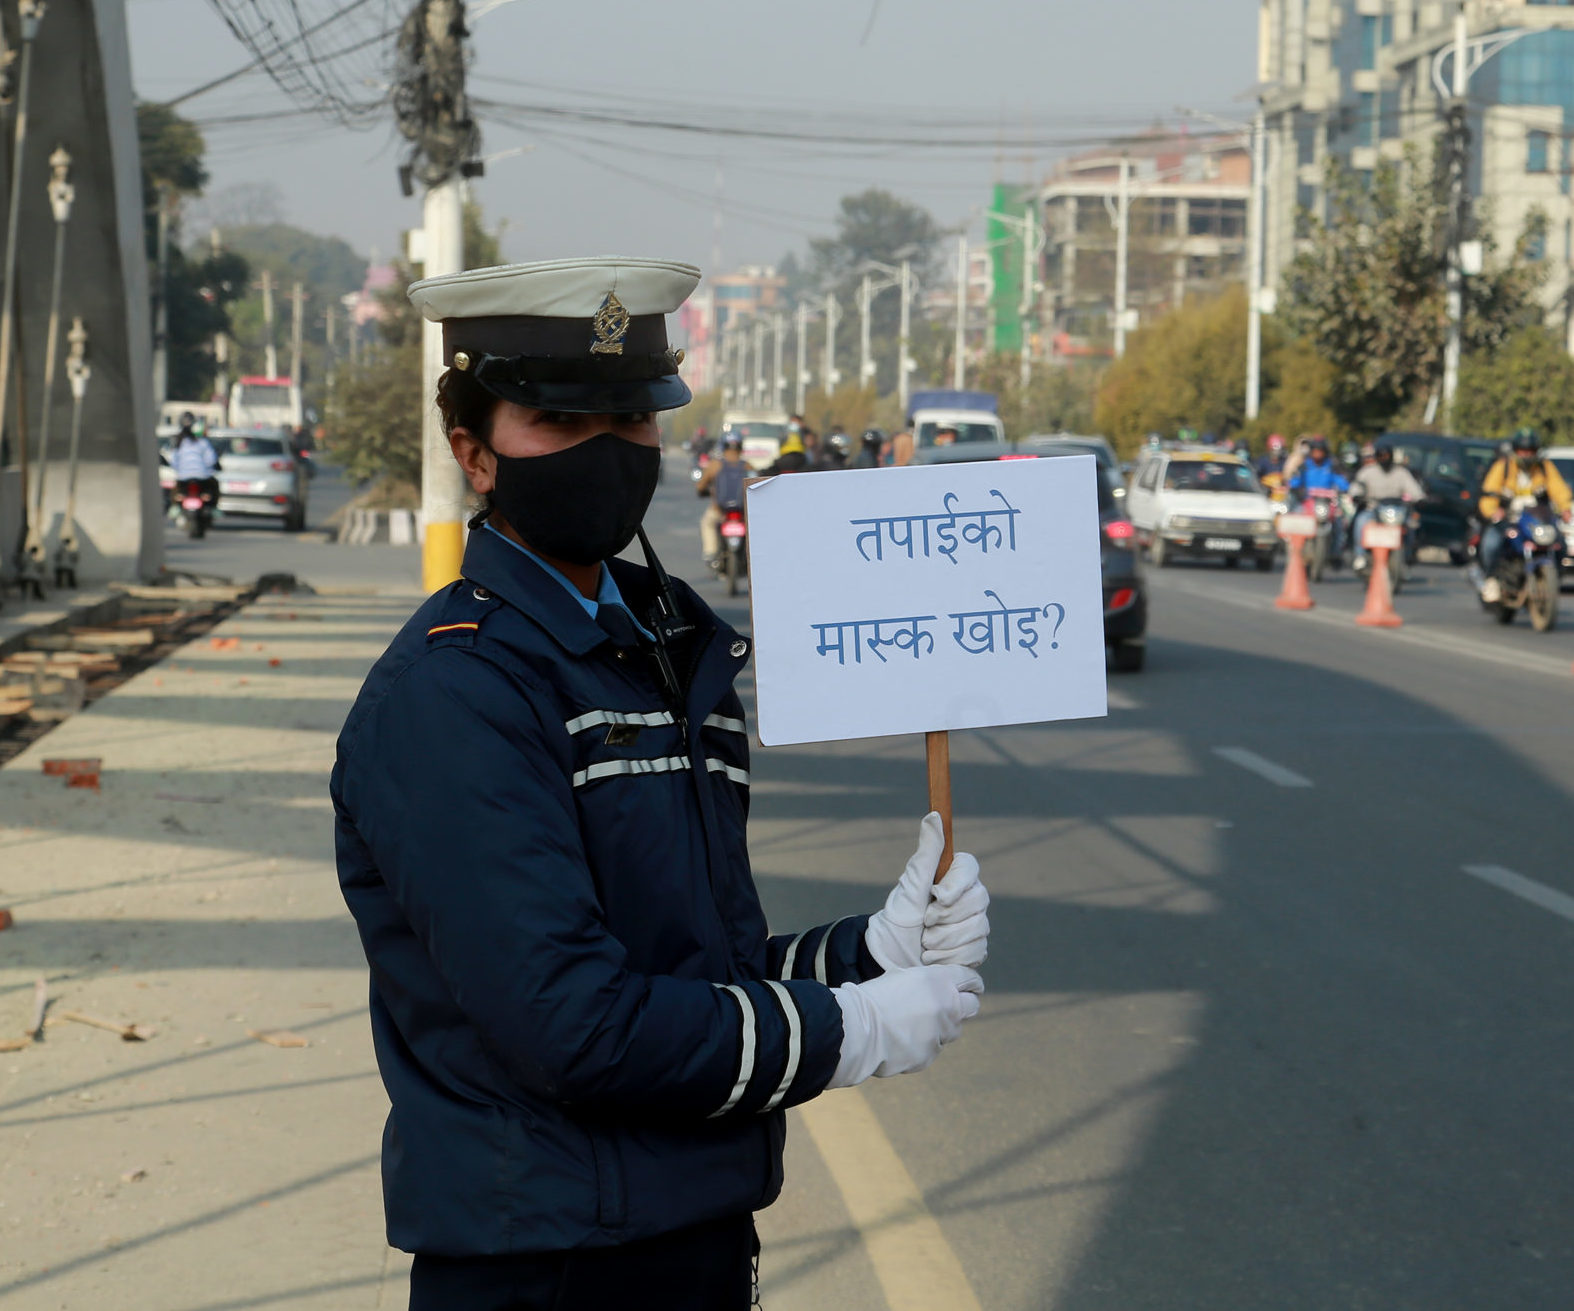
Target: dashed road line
column 916, row 1266
column 1538, row 894
column 1263, row 767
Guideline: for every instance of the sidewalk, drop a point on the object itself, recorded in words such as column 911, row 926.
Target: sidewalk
column 200, row 1170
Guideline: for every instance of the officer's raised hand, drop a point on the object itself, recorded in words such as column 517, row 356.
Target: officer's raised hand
column 929, row 923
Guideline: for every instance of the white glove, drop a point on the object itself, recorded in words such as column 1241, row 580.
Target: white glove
column 898, row 1023
column 925, row 924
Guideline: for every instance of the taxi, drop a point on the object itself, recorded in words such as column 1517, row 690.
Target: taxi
column 1201, row 504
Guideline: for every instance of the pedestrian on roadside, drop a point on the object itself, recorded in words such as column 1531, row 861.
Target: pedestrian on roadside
column 587, row 1037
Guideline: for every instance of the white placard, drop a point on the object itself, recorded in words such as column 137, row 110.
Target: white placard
column 929, row 597
column 1297, row 525
column 1381, row 537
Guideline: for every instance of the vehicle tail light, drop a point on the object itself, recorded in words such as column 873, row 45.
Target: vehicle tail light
column 1019, row 457
column 281, row 500
column 1119, row 530
column 1121, row 599
column 281, row 466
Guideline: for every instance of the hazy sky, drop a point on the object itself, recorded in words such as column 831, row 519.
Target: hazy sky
column 1065, row 67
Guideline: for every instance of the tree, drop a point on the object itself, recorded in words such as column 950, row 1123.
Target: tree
column 200, row 288
column 1368, row 290
column 373, row 412
column 1527, row 382
column 1058, row 398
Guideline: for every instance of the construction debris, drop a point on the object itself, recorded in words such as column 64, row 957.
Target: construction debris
column 127, row 1032
column 5, row 919
column 278, row 1037
column 133, row 1176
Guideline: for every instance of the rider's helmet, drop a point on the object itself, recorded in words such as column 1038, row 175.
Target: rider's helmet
column 1525, row 441
column 730, row 441
column 1383, row 453
column 1317, row 446
column 1275, row 443
column 872, row 437
column 839, row 442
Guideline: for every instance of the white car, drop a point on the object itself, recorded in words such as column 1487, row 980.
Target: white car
column 1201, row 504
column 1563, row 458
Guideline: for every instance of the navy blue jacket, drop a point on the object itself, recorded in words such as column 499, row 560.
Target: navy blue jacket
column 585, row 1033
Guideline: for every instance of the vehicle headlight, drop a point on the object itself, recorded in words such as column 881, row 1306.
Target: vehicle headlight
column 1180, row 522
column 1391, row 513
column 1263, row 528
column 1544, row 534
column 1321, row 510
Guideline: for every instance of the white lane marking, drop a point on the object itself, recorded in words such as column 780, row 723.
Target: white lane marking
column 1538, row 894
column 1277, row 774
column 917, row 1269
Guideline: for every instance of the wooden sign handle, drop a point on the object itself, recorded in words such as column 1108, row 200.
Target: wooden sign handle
column 938, row 747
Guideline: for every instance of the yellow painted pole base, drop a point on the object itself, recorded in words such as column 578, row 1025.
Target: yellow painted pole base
column 442, row 555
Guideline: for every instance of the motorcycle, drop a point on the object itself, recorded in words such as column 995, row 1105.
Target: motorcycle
column 1395, row 512
column 1525, row 576
column 734, row 561
column 193, row 507
column 1323, row 505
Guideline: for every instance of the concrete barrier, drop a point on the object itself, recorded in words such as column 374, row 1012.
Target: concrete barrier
column 371, row 527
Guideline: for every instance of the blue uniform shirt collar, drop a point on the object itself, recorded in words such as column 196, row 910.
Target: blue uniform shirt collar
column 607, row 593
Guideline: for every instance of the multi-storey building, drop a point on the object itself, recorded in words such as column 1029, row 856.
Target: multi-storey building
column 1187, row 203
column 1359, row 80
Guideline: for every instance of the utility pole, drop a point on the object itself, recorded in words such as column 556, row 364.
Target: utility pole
column 161, row 310
column 1254, row 261
column 759, row 362
column 330, row 317
column 1029, row 281
column 803, row 356
column 271, row 367
column 904, row 335
column 865, row 362
column 297, row 297
column 1458, row 216
column 833, row 312
column 778, row 378
column 221, row 341
column 959, row 363
column 1122, row 252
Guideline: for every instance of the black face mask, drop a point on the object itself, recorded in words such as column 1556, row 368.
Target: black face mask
column 582, row 504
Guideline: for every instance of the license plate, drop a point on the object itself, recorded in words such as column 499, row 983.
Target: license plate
column 237, row 487
column 1220, row 544
column 733, row 530
column 1297, row 525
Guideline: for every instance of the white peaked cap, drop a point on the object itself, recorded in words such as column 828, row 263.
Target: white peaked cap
column 557, row 289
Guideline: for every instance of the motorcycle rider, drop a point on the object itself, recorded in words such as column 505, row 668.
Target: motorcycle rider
column 1523, row 472
column 1381, row 480
column 791, row 458
column 869, row 446
column 194, row 458
column 1318, row 473
column 1272, row 460
column 723, row 480
column 834, row 452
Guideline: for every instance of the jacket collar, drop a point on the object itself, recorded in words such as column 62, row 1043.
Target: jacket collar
column 512, row 575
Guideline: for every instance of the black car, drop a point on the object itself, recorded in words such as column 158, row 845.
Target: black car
column 1125, row 591
column 1450, row 470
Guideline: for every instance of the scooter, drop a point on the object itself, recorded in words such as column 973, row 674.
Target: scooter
column 734, row 562
column 193, row 507
column 1525, row 576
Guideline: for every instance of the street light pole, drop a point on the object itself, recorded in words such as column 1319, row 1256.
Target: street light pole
column 803, row 356
column 1029, row 281
column 61, row 195
column 865, row 364
column 759, row 362
column 778, row 378
column 959, row 364
column 1122, row 253
column 833, row 312
column 904, row 336
column 1458, row 137
column 1254, row 269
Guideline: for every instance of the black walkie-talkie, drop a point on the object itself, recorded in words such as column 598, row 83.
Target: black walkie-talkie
column 667, row 623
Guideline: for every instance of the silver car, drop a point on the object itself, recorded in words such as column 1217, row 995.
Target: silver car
column 260, row 476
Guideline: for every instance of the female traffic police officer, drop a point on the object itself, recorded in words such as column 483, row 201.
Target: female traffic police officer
column 587, row 1036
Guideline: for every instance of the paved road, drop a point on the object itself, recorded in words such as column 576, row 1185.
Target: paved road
column 1279, row 1011
column 1256, row 1036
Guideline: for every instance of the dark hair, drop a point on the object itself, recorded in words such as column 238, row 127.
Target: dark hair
column 465, row 403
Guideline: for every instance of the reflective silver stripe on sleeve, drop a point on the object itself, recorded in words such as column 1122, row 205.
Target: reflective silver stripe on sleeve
column 731, row 771
column 825, row 943
column 612, row 768
column 596, row 718
column 794, row 1043
column 745, row 1048
column 791, row 957
column 725, row 724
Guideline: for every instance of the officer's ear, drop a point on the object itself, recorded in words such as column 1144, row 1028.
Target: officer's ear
column 475, row 457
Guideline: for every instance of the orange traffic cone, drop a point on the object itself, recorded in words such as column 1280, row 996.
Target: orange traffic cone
column 1294, row 595
column 1379, row 610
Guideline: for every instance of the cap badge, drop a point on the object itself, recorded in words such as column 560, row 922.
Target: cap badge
column 611, row 326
